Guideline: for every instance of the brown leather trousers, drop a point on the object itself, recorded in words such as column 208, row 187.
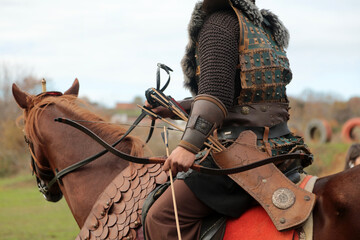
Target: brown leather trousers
column 160, row 221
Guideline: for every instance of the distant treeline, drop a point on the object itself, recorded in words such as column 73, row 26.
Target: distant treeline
column 13, row 150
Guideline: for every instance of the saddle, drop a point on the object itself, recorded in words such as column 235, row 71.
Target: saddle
column 287, row 205
column 217, row 226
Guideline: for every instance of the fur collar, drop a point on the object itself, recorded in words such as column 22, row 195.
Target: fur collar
column 188, row 63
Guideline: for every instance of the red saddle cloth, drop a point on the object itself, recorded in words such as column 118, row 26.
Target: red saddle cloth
column 255, row 224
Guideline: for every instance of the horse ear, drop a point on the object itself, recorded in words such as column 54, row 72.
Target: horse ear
column 74, row 89
column 20, row 96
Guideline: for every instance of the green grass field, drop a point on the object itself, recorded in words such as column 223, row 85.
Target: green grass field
column 25, row 214
column 329, row 158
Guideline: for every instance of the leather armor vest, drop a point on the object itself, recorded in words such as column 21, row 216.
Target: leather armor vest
column 263, row 69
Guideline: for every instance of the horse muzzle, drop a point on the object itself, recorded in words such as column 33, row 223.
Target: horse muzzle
column 49, row 196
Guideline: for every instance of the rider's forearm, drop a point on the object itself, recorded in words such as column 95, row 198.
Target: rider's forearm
column 207, row 114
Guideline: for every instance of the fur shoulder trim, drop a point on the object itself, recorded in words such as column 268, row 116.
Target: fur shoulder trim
column 280, row 32
column 250, row 9
column 188, row 63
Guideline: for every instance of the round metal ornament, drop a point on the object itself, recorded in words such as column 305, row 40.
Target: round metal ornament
column 283, row 198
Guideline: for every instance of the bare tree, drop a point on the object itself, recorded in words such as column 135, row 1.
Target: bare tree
column 12, row 148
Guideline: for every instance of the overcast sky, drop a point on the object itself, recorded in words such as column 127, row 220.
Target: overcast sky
column 113, row 46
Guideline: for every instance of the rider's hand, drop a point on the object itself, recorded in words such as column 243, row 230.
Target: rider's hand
column 180, row 160
column 161, row 111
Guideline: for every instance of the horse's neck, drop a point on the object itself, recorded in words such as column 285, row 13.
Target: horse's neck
column 81, row 188
column 336, row 213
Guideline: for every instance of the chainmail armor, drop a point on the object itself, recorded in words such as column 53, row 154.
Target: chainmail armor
column 218, row 56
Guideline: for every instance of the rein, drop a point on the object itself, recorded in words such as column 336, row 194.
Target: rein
column 198, row 168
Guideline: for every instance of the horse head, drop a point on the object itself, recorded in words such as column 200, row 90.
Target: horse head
column 39, row 162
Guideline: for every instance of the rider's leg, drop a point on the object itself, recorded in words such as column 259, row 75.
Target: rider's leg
column 160, row 220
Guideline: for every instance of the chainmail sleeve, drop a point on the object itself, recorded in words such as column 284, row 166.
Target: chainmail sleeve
column 218, row 56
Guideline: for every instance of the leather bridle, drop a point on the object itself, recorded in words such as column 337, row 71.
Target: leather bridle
column 41, row 173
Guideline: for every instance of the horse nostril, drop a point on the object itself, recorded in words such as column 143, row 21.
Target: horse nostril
column 53, row 197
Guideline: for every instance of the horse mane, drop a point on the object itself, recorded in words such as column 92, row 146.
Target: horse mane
column 76, row 108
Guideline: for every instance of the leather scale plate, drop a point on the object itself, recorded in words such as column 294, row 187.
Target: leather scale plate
column 262, row 182
column 117, row 212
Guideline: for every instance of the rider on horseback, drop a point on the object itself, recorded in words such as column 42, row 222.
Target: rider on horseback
column 236, row 67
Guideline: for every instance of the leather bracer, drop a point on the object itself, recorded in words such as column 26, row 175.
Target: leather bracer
column 207, row 114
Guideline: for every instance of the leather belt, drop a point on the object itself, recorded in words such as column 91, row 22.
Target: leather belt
column 233, row 132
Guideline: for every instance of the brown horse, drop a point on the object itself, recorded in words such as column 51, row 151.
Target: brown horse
column 116, row 214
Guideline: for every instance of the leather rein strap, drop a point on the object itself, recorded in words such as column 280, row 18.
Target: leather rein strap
column 198, row 168
column 150, row 100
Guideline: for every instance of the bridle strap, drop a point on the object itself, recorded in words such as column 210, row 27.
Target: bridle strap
column 35, row 167
column 43, row 188
column 52, row 93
